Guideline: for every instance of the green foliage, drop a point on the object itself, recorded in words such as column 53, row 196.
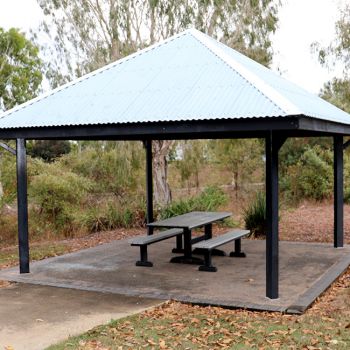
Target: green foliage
column 312, row 176
column 337, row 92
column 193, row 158
column 8, row 178
column 242, row 157
column 255, row 216
column 48, row 150
column 99, row 32
column 210, row 199
column 114, row 169
column 112, row 216
column 58, row 194
column 20, row 69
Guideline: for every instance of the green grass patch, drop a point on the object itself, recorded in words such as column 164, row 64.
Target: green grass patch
column 9, row 256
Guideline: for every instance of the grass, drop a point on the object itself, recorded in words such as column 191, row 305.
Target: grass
column 175, row 325
column 9, row 256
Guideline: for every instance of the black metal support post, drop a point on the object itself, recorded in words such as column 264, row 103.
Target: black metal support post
column 338, row 192
column 22, row 203
column 149, row 184
column 272, row 273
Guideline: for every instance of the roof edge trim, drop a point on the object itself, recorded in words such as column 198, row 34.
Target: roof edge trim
column 279, row 100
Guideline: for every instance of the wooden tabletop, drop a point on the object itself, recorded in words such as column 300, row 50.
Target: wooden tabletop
column 191, row 220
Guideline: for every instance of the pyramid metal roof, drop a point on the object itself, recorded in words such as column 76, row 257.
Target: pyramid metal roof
column 188, row 77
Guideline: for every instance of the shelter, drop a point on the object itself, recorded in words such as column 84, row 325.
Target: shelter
column 186, row 87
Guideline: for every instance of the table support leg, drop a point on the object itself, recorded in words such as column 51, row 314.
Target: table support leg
column 178, row 248
column 208, row 234
column 187, row 258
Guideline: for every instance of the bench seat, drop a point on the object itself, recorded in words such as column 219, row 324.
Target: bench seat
column 208, row 245
column 144, row 241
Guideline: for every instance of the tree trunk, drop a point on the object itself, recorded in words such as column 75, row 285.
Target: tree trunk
column 162, row 193
column 235, row 180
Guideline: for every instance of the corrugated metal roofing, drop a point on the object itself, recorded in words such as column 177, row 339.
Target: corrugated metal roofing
column 187, row 77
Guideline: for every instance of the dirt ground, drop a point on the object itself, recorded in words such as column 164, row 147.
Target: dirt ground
column 312, row 222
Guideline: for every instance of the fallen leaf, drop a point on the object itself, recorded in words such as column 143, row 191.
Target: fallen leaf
column 151, row 342
column 162, row 344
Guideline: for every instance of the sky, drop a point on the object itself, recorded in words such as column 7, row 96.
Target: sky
column 301, row 22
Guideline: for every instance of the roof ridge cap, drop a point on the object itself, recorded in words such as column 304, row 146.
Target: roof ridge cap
column 3, row 114
column 271, row 93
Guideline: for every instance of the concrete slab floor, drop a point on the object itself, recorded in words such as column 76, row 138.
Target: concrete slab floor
column 306, row 270
column 32, row 317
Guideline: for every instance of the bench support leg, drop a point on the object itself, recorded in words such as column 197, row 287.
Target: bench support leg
column 238, row 252
column 207, row 263
column 144, row 258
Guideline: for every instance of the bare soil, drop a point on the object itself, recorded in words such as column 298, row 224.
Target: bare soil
column 312, row 222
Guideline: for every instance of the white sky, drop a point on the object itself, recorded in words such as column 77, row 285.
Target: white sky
column 301, row 22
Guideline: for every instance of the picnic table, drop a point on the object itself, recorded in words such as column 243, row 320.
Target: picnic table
column 188, row 222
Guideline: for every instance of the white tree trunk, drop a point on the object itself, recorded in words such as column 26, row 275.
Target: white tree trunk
column 162, row 192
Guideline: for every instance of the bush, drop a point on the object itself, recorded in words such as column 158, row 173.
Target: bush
column 112, row 216
column 255, row 216
column 311, row 177
column 48, row 150
column 208, row 200
column 58, row 194
column 117, row 170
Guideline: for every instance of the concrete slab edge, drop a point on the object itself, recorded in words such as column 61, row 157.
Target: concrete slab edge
column 230, row 304
column 305, row 300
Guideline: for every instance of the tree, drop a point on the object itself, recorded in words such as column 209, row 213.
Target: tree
column 193, row 158
column 48, row 150
column 91, row 33
column 337, row 90
column 20, row 69
column 241, row 157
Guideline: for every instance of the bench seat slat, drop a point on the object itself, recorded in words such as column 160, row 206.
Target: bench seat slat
column 157, row 237
column 220, row 240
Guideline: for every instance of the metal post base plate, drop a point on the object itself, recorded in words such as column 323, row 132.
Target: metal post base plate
column 185, row 260
column 144, row 263
column 214, row 252
column 237, row 255
column 178, row 250
column 207, row 268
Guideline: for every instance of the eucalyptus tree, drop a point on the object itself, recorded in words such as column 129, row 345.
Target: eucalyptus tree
column 20, row 69
column 337, row 53
column 88, row 34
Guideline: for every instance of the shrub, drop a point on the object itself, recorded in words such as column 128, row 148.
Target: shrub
column 112, row 215
column 48, row 150
column 311, row 177
column 208, row 200
column 58, row 194
column 255, row 216
column 316, row 177
column 114, row 170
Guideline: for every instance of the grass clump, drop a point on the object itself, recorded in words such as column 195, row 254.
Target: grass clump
column 255, row 216
column 105, row 217
column 209, row 200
